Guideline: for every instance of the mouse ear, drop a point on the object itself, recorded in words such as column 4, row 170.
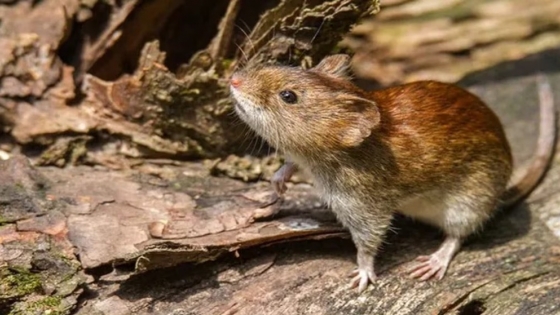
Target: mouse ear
column 334, row 65
column 363, row 117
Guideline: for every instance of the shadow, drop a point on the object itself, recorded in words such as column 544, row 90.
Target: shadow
column 543, row 62
column 175, row 284
column 409, row 239
column 506, row 226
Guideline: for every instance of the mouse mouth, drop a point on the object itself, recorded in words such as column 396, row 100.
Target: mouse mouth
column 240, row 108
column 241, row 102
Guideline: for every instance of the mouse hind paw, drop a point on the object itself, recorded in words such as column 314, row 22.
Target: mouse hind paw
column 429, row 267
column 435, row 265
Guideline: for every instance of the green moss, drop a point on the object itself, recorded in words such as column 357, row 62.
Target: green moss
column 226, row 63
column 18, row 282
column 51, row 305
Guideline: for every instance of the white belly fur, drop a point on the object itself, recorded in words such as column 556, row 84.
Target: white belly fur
column 429, row 208
column 442, row 209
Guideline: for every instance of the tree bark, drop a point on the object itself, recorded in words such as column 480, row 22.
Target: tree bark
column 448, row 40
column 134, row 87
column 148, row 79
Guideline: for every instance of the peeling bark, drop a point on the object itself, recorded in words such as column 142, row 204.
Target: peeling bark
column 149, row 76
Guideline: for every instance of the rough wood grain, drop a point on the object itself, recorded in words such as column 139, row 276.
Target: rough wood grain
column 447, row 40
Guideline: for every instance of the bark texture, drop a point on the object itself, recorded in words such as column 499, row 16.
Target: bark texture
column 101, row 103
column 98, row 82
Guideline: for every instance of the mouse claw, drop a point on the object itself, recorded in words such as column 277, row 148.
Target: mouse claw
column 362, row 279
column 279, row 186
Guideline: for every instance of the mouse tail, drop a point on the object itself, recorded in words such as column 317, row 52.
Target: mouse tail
column 520, row 189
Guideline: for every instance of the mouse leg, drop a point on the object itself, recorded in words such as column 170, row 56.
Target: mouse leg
column 368, row 228
column 281, row 176
column 365, row 273
column 278, row 182
column 436, row 264
column 458, row 215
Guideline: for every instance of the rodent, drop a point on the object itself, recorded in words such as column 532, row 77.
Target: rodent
column 429, row 150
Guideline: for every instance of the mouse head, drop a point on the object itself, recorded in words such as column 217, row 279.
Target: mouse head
column 300, row 110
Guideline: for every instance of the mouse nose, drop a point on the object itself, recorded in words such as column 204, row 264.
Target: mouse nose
column 235, row 81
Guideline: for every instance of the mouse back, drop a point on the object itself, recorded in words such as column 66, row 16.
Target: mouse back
column 440, row 132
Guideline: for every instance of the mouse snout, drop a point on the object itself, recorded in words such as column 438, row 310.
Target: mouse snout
column 235, row 80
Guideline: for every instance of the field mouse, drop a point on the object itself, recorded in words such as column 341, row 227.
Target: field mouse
column 428, row 150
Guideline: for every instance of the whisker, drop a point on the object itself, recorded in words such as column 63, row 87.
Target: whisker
column 248, row 36
column 246, row 134
column 242, row 52
column 254, row 143
column 318, row 30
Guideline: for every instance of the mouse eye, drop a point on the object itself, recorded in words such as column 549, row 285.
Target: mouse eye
column 288, row 97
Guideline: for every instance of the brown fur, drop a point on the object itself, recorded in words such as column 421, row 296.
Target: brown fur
column 430, row 150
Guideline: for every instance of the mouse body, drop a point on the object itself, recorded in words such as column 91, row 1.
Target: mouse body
column 428, row 150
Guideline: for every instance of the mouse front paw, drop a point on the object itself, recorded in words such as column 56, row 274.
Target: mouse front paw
column 278, row 182
column 279, row 179
column 362, row 278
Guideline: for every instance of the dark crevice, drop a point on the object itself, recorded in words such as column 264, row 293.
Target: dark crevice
column 474, row 307
column 30, row 99
column 463, row 52
column 468, row 16
column 99, row 271
column 33, row 150
column 182, row 28
column 142, row 25
column 6, row 306
column 189, row 29
column 37, row 148
column 70, row 51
